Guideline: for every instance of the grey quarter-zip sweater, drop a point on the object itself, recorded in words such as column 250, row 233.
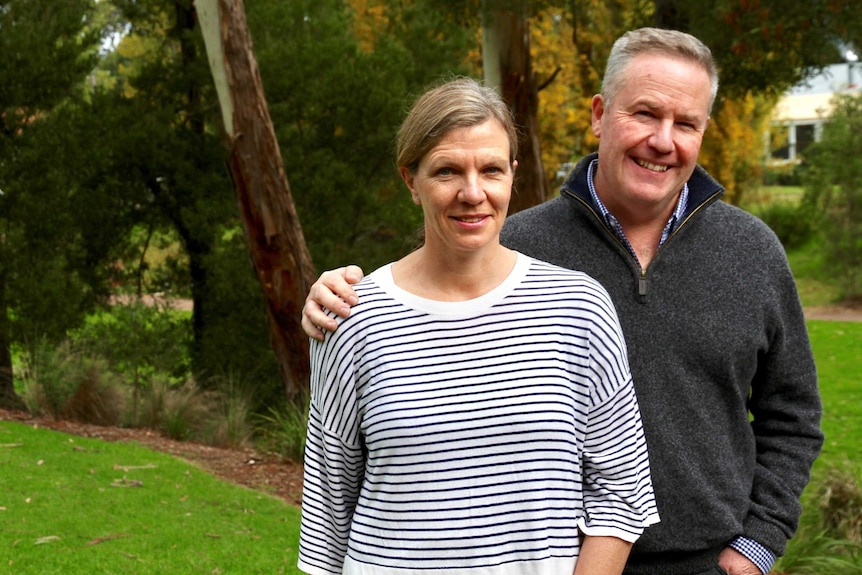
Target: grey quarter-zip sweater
column 721, row 362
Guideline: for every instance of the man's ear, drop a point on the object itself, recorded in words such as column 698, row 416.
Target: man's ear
column 598, row 110
column 409, row 180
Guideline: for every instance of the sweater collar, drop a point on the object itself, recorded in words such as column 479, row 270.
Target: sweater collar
column 701, row 186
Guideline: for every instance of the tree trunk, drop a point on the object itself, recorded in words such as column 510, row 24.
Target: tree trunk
column 508, row 68
column 8, row 398
column 272, row 229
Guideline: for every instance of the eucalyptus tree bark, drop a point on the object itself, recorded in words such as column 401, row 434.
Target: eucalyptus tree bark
column 272, row 228
column 508, row 68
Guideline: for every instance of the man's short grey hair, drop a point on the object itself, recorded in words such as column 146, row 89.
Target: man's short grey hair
column 656, row 41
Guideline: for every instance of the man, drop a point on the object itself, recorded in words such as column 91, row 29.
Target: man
column 717, row 341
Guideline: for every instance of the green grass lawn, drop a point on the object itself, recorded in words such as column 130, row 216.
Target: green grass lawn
column 838, row 351
column 71, row 505
column 814, row 551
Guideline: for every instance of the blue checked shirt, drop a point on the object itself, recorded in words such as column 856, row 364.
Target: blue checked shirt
column 754, row 551
column 609, row 218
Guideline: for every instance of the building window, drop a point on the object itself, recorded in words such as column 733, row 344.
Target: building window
column 805, row 136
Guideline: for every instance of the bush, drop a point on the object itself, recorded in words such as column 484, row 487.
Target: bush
column 283, row 430
column 839, row 501
column 794, row 225
column 785, row 174
column 834, row 191
column 139, row 340
column 67, row 384
column 828, row 539
column 182, row 411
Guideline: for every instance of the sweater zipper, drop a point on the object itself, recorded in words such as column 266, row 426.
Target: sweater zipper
column 643, row 280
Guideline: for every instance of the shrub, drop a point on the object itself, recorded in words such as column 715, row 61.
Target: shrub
column 785, row 174
column 98, row 397
column 834, row 190
column 839, row 502
column 283, row 430
column 230, row 425
column 64, row 383
column 793, row 224
column 139, row 340
column 182, row 411
column 828, row 539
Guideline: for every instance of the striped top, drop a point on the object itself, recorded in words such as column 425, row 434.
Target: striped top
column 477, row 437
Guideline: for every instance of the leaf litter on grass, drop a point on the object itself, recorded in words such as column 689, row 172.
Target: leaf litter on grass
column 59, row 491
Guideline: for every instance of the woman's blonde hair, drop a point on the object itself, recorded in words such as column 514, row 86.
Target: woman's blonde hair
column 458, row 103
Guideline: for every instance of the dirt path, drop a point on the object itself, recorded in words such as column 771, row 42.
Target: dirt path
column 834, row 313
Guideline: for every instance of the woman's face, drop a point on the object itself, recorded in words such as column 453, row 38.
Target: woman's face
column 463, row 185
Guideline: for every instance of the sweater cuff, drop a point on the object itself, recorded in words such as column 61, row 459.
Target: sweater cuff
column 755, row 552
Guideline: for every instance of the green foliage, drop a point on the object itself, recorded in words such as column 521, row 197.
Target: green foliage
column 78, row 506
column 180, row 411
column 283, row 429
column 63, row 383
column 827, row 539
column 46, row 49
column 834, row 189
column 185, row 411
column 784, row 174
column 839, row 501
column 792, row 223
column 138, row 340
column 768, row 46
column 336, row 109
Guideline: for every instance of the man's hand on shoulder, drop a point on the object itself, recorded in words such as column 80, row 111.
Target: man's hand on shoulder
column 332, row 291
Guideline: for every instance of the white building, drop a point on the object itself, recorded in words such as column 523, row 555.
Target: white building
column 799, row 115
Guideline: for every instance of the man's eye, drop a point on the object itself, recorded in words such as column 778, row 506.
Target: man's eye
column 444, row 172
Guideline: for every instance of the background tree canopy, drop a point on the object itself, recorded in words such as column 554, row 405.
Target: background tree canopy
column 112, row 168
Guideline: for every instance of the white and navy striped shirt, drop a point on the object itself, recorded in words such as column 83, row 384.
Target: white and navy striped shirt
column 477, row 437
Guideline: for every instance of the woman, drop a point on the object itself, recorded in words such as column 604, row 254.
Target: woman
column 475, row 413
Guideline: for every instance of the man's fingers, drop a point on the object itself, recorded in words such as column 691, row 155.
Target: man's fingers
column 310, row 329
column 353, row 274
column 332, row 291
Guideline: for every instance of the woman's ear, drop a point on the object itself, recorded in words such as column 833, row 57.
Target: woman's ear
column 409, row 179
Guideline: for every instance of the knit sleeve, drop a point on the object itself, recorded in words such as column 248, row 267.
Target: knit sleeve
column 333, row 459
column 786, row 411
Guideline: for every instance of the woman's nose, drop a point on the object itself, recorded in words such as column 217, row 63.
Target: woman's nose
column 471, row 191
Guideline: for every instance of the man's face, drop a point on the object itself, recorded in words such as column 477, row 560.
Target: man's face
column 650, row 135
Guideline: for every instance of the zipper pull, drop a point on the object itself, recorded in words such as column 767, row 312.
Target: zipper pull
column 642, row 284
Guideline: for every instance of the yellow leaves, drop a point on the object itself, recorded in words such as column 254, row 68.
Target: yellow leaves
column 733, row 146
column 370, row 19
